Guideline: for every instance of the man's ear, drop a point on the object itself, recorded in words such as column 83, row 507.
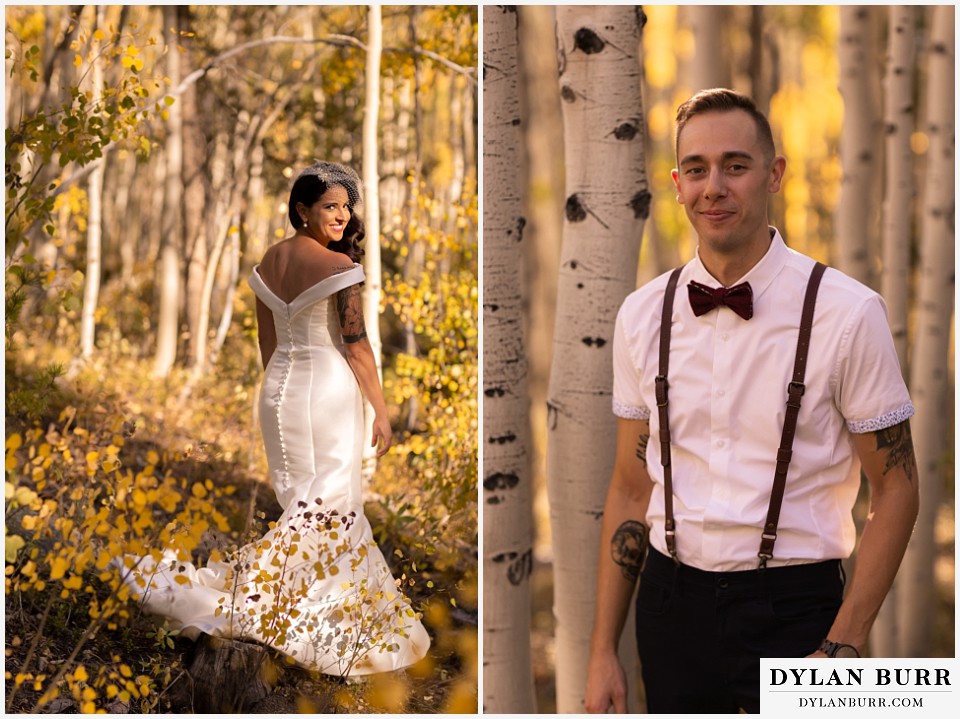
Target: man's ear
column 777, row 168
column 675, row 175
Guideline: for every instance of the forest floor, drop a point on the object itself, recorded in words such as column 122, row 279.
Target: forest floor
column 46, row 629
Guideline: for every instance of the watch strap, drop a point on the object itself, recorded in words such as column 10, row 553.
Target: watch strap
column 831, row 648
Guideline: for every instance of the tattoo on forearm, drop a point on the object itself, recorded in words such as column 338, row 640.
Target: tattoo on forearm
column 898, row 444
column 350, row 312
column 642, row 447
column 628, row 547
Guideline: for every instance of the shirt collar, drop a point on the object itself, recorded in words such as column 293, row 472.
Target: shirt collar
column 760, row 276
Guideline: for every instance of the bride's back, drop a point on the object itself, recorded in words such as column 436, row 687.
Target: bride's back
column 296, row 264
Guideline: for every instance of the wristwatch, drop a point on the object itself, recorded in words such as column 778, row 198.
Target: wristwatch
column 838, row 650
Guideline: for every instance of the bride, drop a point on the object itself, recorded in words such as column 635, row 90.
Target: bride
column 316, row 586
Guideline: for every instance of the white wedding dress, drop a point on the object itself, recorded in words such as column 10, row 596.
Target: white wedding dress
column 316, row 587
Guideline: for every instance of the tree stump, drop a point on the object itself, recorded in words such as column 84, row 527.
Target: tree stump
column 230, row 676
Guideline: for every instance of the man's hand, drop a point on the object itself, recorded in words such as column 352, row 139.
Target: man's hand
column 606, row 685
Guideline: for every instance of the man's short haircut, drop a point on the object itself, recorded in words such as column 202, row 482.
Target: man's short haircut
column 723, row 100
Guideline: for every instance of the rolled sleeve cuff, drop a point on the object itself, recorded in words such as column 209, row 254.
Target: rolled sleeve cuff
column 882, row 422
column 626, row 411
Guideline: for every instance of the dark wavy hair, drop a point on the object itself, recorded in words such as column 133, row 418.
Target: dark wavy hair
column 308, row 189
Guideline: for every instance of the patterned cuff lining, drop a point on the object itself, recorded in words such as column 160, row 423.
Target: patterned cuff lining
column 626, row 411
column 882, row 422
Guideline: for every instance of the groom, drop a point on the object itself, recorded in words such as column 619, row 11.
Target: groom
column 732, row 573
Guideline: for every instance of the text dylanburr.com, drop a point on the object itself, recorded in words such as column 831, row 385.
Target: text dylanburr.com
column 855, row 687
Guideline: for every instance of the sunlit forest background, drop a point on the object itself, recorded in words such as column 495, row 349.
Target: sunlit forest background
column 790, row 60
column 149, row 153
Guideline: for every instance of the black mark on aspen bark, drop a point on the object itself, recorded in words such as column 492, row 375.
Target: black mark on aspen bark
column 491, row 307
column 573, row 264
column 640, row 204
column 625, row 131
column 574, row 209
column 567, row 94
column 579, row 285
column 588, row 41
column 553, row 414
column 494, row 392
column 500, row 480
column 641, row 17
column 493, row 500
column 503, row 439
column 520, row 569
column 594, row 341
column 521, row 223
column 515, row 122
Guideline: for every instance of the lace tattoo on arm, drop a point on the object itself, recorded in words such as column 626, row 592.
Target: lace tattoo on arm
column 898, row 443
column 628, row 547
column 350, row 312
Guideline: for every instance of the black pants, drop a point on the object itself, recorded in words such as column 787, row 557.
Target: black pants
column 701, row 634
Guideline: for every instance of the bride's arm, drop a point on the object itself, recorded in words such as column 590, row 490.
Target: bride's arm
column 266, row 332
column 364, row 365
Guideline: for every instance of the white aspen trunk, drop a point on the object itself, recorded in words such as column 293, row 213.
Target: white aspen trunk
column 91, row 278
column 507, row 516
column 233, row 269
column 856, row 211
column 171, row 219
column 708, row 68
column 371, row 193
column 929, row 375
column 122, row 210
column 897, row 238
column 607, row 202
column 543, row 141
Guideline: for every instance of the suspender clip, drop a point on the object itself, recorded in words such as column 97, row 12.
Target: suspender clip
column 660, row 387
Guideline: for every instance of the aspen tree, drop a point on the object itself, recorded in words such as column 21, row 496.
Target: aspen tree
column 929, row 372
column 607, row 203
column 898, row 204
column 856, row 211
column 507, row 520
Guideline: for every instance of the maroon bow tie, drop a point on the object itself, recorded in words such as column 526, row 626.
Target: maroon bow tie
column 738, row 298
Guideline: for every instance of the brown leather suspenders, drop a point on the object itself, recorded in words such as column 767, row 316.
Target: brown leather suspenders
column 795, row 390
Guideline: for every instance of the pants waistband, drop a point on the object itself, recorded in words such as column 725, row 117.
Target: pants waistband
column 660, row 565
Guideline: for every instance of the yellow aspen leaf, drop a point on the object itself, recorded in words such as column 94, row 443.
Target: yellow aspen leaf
column 152, row 457
column 58, row 568
column 77, row 61
column 80, row 673
column 132, row 50
column 73, row 582
column 12, row 545
column 126, row 671
column 98, row 35
column 139, row 497
column 181, row 579
column 89, row 694
column 13, row 442
column 198, row 490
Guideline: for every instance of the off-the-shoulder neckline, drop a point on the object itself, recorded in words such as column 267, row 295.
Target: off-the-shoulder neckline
column 304, row 291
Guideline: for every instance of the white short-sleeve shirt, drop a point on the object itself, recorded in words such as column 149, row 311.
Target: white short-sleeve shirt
column 728, row 387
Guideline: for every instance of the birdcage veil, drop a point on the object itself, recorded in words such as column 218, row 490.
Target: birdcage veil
column 333, row 173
